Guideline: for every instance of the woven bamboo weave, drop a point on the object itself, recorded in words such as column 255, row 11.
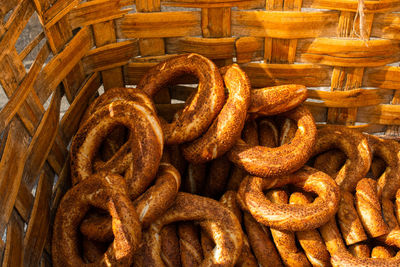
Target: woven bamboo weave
column 353, row 78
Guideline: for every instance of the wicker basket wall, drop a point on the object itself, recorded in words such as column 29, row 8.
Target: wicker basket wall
column 352, row 75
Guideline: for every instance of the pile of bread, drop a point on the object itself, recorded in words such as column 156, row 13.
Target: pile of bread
column 238, row 177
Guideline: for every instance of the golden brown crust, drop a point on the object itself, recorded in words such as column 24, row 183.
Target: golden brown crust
column 226, row 234
column 291, row 217
column 218, row 173
column 341, row 257
column 170, row 252
column 271, row 162
column 387, row 150
column 285, row 241
column 227, row 126
column 197, row 116
column 345, row 139
column 360, row 250
column 277, row 99
column 261, row 243
column 287, row 131
column 189, row 244
column 147, row 143
column 105, row 191
column 349, row 220
column 195, row 178
column 330, row 162
column 369, row 208
column 246, row 258
column 268, row 133
column 311, row 241
column 149, row 206
column 380, row 252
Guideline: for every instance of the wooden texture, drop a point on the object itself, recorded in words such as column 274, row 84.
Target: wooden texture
column 353, row 79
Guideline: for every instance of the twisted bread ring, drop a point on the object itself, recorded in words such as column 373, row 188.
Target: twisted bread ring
column 261, row 243
column 380, row 252
column 285, row 241
column 274, row 100
column 359, row 159
column 389, row 181
column 330, row 162
column 291, row 217
column 170, row 252
column 369, row 208
column 287, row 131
column 148, row 142
column 360, row 250
column 271, row 162
column 105, row 191
column 250, row 136
column 149, row 206
column 189, row 243
column 227, row 126
column 228, row 238
column 217, row 177
column 195, row 178
column 203, row 108
column 311, row 241
column 114, row 150
column 349, row 220
column 246, row 258
column 341, row 257
column 268, row 134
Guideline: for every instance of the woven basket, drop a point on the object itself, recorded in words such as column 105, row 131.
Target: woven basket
column 348, row 63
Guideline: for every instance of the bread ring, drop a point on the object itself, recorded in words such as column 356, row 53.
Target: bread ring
column 369, row 208
column 380, row 252
column 218, row 173
column 388, row 150
column 200, row 112
column 189, row 243
column 341, row 257
column 271, row 162
column 260, row 242
column 246, row 258
column 250, row 136
column 105, row 191
column 378, row 166
column 170, row 252
column 291, row 217
column 393, row 237
column 359, row 159
column 227, row 126
column 277, row 99
column 149, row 206
column 284, row 240
column 360, row 250
column 268, row 134
column 330, row 162
column 287, row 131
column 114, row 142
column 147, row 142
column 192, row 207
column 349, row 221
column 311, row 241
column 195, row 178
column 92, row 250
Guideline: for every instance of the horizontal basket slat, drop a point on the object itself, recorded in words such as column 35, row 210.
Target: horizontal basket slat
column 151, row 25
column 382, row 77
column 110, row 56
column 346, row 5
column 289, row 25
column 348, row 53
column 97, row 11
